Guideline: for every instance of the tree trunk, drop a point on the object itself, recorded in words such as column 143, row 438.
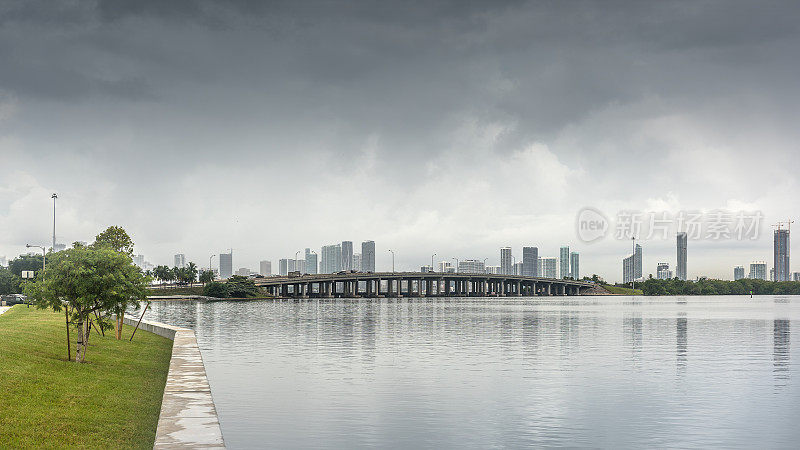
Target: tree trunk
column 80, row 348
column 119, row 326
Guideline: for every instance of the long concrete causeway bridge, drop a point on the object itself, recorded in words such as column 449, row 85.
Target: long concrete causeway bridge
column 417, row 284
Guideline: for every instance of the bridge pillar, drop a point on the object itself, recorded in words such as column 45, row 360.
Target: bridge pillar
column 519, row 288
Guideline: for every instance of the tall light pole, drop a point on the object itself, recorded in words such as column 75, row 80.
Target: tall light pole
column 432, row 261
column 456, row 264
column 484, row 264
column 209, row 262
column 296, row 265
column 392, row 252
column 54, row 197
column 514, row 264
column 44, row 252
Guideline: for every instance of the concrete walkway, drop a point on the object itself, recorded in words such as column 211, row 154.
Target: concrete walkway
column 188, row 417
column 4, row 309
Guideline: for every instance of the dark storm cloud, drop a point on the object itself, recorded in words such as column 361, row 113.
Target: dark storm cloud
column 385, row 102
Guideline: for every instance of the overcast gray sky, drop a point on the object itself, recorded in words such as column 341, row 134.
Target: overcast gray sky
column 448, row 127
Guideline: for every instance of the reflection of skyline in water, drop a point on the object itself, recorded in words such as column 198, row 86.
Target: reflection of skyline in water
column 781, row 338
column 681, row 338
column 480, row 373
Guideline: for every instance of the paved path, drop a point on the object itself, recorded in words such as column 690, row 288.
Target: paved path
column 188, row 416
column 4, row 309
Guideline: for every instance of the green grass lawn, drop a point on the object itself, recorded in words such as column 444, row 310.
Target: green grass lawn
column 112, row 401
column 621, row 290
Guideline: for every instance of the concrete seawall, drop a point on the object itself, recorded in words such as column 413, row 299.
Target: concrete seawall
column 188, row 417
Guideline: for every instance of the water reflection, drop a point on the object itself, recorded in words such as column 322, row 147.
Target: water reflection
column 781, row 333
column 478, row 373
column 681, row 325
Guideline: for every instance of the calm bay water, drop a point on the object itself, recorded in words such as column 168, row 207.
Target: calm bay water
column 479, row 373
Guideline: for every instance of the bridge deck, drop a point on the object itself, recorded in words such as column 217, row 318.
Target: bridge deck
column 399, row 284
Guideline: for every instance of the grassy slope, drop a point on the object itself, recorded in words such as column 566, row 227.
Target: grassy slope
column 616, row 290
column 113, row 401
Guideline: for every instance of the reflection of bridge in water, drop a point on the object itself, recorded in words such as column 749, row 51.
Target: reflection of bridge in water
column 418, row 284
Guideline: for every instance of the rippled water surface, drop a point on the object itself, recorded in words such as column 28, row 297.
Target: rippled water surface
column 478, row 373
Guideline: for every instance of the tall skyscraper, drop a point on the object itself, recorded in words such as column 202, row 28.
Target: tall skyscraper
column 781, row 255
column 530, row 261
column 368, row 256
column 357, row 262
column 331, row 259
column 680, row 269
column 758, row 270
column 137, row 259
column 311, row 262
column 632, row 266
column 180, row 260
column 574, row 265
column 225, row 265
column 471, row 266
column 548, row 267
column 283, row 266
column 738, row 273
column 265, row 268
column 564, row 260
column 347, row 255
column 505, row 261
column 518, row 268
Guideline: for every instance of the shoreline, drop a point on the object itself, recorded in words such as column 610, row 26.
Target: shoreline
column 188, row 417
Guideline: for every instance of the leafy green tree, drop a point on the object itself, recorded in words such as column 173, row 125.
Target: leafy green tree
column 9, row 283
column 90, row 283
column 116, row 238
column 25, row 262
column 216, row 289
column 242, row 287
column 206, row 276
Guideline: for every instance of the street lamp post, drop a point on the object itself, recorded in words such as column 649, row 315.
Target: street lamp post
column 392, row 252
column 432, row 261
column 484, row 264
column 296, row 259
column 44, row 252
column 514, row 264
column 54, row 197
column 209, row 263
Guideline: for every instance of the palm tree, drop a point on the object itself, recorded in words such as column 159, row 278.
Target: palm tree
column 191, row 271
column 161, row 273
column 206, row 276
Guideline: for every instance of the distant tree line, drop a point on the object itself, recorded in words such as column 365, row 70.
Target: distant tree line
column 179, row 275
column 235, row 287
column 705, row 286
